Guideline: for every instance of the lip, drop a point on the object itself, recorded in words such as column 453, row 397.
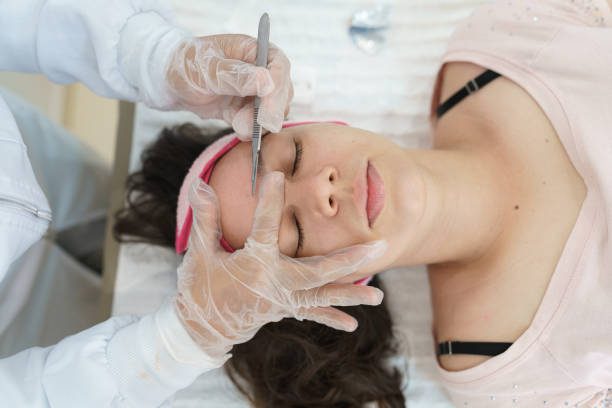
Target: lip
column 375, row 194
column 360, row 192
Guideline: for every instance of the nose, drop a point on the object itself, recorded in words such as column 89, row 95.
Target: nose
column 318, row 192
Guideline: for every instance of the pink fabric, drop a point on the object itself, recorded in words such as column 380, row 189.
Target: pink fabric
column 202, row 167
column 560, row 54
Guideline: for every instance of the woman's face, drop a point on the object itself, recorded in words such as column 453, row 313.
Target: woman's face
column 343, row 186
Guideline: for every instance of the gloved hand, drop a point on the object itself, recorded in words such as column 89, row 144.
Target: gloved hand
column 215, row 77
column 224, row 298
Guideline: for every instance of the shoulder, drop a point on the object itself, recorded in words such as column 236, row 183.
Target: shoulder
column 455, row 74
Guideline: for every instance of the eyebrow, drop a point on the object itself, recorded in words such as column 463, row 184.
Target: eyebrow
column 261, row 164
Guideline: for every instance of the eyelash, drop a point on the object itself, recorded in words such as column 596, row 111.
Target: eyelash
column 298, row 157
column 300, row 234
column 296, row 165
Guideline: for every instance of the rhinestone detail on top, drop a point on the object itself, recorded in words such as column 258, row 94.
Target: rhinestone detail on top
column 590, row 9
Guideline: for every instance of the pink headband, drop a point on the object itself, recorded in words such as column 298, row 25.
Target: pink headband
column 202, row 168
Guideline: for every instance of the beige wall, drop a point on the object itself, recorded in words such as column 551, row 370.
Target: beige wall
column 91, row 118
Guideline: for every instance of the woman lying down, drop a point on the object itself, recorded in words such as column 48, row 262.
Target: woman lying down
column 288, row 363
column 510, row 210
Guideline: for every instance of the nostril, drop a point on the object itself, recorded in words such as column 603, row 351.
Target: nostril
column 331, row 177
column 333, row 206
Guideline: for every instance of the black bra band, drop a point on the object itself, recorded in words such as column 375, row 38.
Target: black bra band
column 483, row 348
column 469, row 88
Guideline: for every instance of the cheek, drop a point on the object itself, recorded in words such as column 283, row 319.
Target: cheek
column 286, row 237
column 327, row 237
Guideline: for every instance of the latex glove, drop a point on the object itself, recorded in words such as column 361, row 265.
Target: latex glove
column 214, row 77
column 224, row 298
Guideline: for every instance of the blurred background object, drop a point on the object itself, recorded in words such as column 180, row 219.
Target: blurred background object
column 92, row 118
column 54, row 289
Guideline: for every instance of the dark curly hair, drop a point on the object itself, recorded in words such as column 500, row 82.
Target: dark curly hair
column 288, row 363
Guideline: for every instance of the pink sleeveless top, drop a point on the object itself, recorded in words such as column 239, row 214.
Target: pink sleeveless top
column 560, row 52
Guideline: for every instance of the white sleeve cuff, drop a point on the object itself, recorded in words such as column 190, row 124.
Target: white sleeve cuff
column 80, row 40
column 156, row 357
column 147, row 42
column 19, row 20
column 178, row 342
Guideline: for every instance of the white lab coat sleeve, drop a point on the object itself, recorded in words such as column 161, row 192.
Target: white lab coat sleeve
column 122, row 362
column 24, row 210
column 117, row 48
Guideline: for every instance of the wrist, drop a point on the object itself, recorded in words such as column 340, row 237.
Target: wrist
column 179, row 341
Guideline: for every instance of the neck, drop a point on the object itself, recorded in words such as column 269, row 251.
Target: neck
column 465, row 208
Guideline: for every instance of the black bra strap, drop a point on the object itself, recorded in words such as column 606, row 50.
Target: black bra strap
column 472, row 86
column 484, row 348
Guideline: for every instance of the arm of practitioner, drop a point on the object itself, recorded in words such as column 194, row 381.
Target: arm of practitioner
column 223, row 299
column 94, row 368
column 132, row 50
column 24, row 209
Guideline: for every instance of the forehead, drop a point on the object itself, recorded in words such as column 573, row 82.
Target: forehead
column 231, row 181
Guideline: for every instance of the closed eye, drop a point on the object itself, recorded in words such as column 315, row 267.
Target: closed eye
column 297, row 157
column 300, row 231
column 296, row 165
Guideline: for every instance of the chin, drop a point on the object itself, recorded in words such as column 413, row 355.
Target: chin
column 409, row 202
column 399, row 225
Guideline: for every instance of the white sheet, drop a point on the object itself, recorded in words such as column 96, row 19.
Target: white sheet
column 388, row 93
